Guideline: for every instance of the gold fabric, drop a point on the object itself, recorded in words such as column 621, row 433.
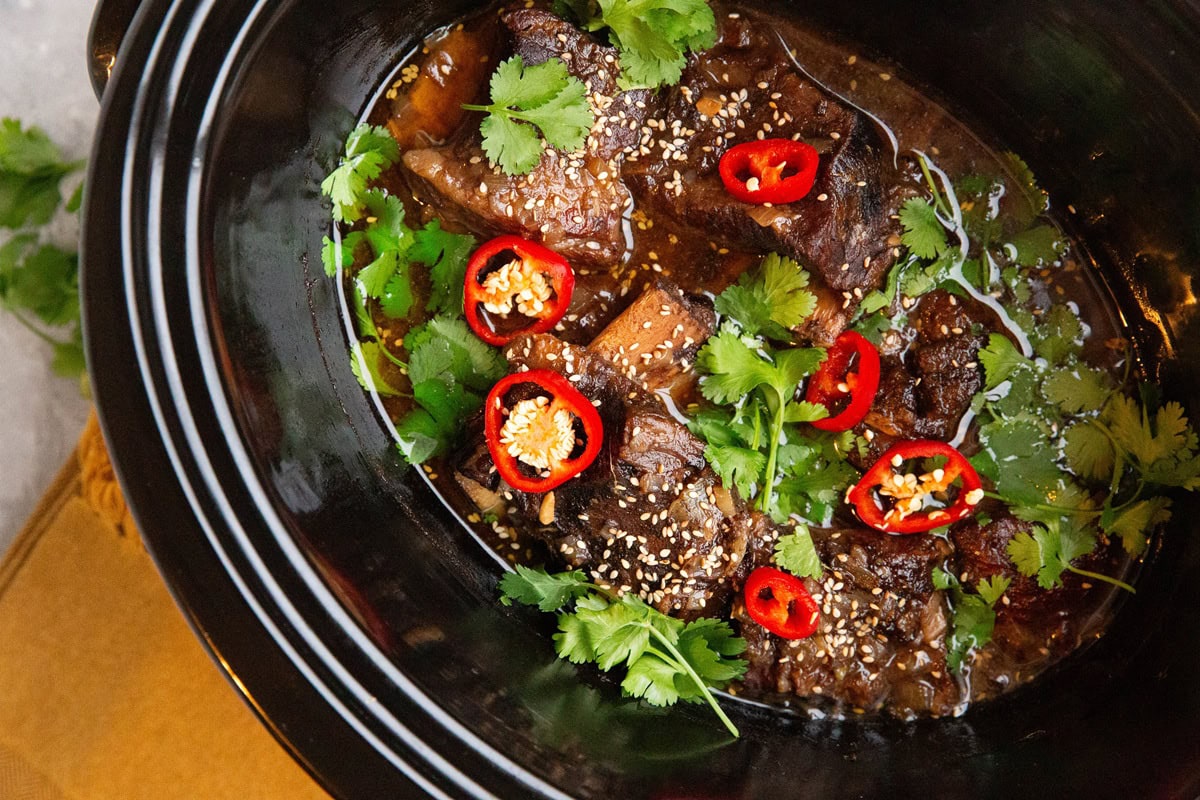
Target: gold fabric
column 105, row 693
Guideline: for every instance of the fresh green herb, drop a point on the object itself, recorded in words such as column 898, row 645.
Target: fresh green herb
column 1048, row 552
column 39, row 281
column 737, row 369
column 653, row 36
column 924, row 234
column 796, row 553
column 369, row 151
column 665, row 659
column 973, row 615
column 365, row 360
column 31, row 169
column 770, row 300
column 756, row 438
column 450, row 370
column 528, row 99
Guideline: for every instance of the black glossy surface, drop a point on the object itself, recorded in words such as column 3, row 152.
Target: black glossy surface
column 354, row 613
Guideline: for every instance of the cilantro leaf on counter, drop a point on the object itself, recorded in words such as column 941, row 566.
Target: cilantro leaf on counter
column 31, row 169
column 796, row 553
column 924, row 235
column 666, row 660
column 527, row 100
column 39, row 281
column 653, row 36
column 369, row 150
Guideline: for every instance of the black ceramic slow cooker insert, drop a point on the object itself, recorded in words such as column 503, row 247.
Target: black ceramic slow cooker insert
column 350, row 607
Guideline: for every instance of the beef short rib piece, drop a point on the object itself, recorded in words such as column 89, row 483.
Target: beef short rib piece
column 926, row 387
column 572, row 202
column 649, row 516
column 881, row 633
column 842, row 231
column 655, row 340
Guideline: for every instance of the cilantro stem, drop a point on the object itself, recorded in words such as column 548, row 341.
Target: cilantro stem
column 1105, row 578
column 1047, row 507
column 682, row 663
column 772, row 453
column 501, row 109
column 38, row 332
column 388, row 355
column 938, row 202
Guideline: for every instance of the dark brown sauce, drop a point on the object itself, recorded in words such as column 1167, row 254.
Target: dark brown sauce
column 453, row 68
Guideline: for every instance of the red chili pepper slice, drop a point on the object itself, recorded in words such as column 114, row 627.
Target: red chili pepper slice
column 780, row 603
column 907, row 494
column 515, row 286
column 842, row 379
column 540, row 430
column 769, row 170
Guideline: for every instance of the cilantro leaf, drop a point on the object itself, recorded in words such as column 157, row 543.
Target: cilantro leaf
column 339, row 254
column 971, row 627
column 924, row 235
column 1078, row 389
column 1058, row 334
column 397, row 297
column 1089, row 451
column 446, row 254
column 796, row 553
column 770, row 299
column 1035, row 199
column 1000, row 359
column 527, row 100
column 369, row 151
column 1048, row 552
column 538, row 588
column 31, row 169
column 731, row 369
column 990, row 589
column 738, row 467
column 364, row 362
column 653, row 36
column 1037, row 246
column 1132, row 522
column 972, row 617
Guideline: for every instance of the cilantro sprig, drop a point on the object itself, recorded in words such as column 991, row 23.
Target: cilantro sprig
column 666, row 660
column 527, row 100
column 973, row 615
column 449, row 369
column 755, row 437
column 653, row 37
column 39, row 281
column 369, row 151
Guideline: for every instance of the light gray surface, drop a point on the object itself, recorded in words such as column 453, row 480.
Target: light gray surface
column 43, row 80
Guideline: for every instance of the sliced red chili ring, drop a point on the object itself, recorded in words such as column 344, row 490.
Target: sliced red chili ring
column 849, row 378
column 780, row 603
column 769, row 170
column 540, row 430
column 906, row 494
column 515, row 286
